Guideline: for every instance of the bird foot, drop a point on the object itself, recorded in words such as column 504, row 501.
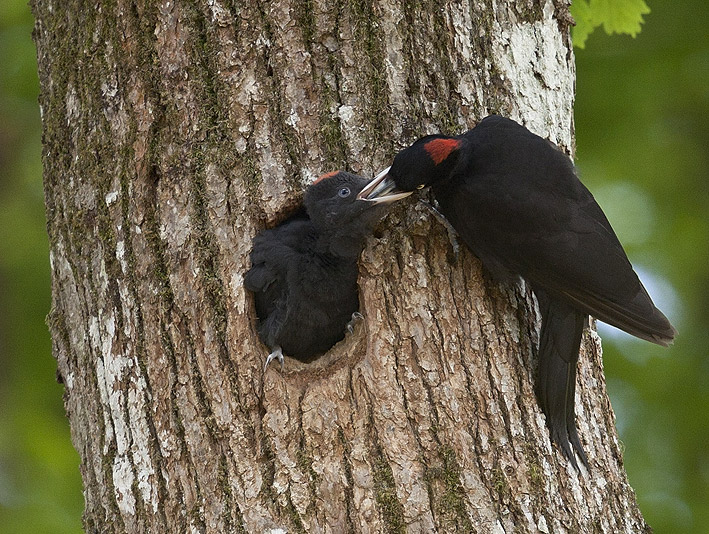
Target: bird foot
column 277, row 354
column 356, row 316
column 452, row 234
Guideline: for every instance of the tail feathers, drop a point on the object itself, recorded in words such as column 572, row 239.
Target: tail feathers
column 559, row 344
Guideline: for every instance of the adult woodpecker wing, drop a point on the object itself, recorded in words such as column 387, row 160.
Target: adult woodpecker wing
column 556, row 237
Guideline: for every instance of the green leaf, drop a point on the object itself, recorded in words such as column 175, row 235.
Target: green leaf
column 583, row 15
column 616, row 16
column 621, row 16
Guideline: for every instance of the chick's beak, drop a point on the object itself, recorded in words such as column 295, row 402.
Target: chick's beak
column 382, row 190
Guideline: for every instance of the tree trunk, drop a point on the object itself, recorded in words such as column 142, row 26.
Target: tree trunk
column 174, row 131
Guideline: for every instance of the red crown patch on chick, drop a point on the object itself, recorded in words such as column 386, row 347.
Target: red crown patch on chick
column 325, row 176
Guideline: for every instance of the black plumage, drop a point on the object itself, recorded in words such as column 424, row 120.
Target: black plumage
column 304, row 272
column 517, row 203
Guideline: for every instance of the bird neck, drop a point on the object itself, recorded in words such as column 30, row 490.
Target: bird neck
column 340, row 244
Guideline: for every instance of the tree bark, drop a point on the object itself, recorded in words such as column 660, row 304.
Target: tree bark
column 175, row 131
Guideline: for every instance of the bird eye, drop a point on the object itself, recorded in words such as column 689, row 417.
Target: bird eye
column 344, row 192
column 421, row 186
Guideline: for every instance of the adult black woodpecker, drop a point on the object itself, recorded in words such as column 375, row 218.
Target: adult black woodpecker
column 515, row 200
column 304, row 272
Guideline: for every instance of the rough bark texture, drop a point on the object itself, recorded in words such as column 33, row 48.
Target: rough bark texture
column 174, row 131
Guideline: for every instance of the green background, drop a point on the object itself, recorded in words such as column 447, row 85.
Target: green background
column 642, row 147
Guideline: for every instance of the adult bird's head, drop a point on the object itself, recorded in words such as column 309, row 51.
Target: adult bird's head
column 429, row 160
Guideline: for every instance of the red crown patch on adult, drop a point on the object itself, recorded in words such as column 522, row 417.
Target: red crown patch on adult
column 440, row 149
column 325, row 176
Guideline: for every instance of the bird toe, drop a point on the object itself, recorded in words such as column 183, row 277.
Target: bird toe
column 356, row 316
column 277, row 354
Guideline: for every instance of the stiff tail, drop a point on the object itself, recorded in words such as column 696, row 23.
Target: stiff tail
column 559, row 344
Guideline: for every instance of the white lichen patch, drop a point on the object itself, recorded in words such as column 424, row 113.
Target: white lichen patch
column 292, row 119
column 141, row 437
column 175, row 228
column 345, row 113
column 72, row 105
column 122, row 482
column 123, row 392
column 220, row 14
column 308, row 176
column 103, row 393
column 535, row 62
column 121, row 255
column 236, row 283
column 395, row 58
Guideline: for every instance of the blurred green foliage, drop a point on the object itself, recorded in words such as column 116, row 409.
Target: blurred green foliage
column 642, row 132
column 40, row 484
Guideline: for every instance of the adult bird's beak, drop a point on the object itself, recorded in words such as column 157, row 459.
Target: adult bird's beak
column 382, row 190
